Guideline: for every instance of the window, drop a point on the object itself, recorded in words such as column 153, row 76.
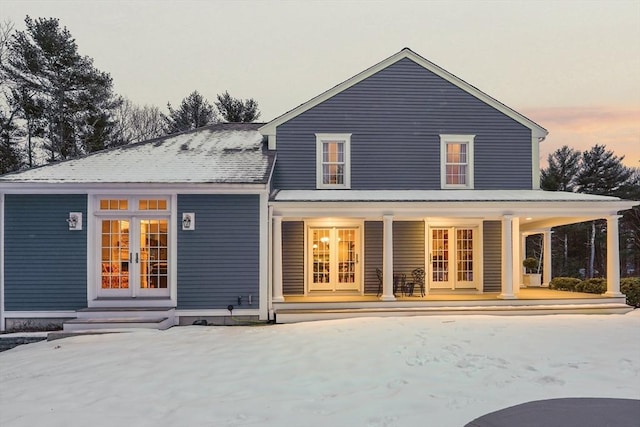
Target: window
column 456, row 160
column 333, row 153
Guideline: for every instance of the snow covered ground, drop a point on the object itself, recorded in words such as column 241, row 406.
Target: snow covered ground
column 412, row 371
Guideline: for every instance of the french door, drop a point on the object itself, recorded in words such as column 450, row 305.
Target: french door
column 134, row 255
column 333, row 258
column 453, row 258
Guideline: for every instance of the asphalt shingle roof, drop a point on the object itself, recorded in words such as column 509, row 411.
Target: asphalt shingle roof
column 220, row 153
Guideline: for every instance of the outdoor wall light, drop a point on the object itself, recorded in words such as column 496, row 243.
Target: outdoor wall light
column 75, row 220
column 188, row 221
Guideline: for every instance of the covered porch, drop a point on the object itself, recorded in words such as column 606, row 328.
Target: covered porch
column 481, row 263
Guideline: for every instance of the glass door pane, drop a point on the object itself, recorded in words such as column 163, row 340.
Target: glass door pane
column 347, row 256
column 114, row 248
column 321, row 256
column 154, row 262
column 464, row 258
column 440, row 258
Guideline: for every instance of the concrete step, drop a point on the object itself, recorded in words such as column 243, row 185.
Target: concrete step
column 102, row 323
column 124, row 312
column 311, row 314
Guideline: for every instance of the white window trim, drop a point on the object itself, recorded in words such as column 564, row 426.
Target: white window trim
column 465, row 139
column 343, row 137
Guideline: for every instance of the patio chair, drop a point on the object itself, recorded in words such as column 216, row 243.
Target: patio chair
column 400, row 283
column 418, row 280
column 379, row 274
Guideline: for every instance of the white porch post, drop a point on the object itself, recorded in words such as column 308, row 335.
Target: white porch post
column 277, row 259
column 546, row 257
column 523, row 255
column 507, row 258
column 613, row 257
column 516, row 259
column 387, row 259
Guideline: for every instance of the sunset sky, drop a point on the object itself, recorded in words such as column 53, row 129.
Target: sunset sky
column 571, row 66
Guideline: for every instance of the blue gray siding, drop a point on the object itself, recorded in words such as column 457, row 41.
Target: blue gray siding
column 45, row 262
column 293, row 258
column 219, row 260
column 408, row 246
column 373, row 236
column 492, row 246
column 395, row 118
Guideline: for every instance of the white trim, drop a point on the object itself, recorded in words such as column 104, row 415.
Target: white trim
column 151, row 188
column 269, row 129
column 40, row 314
column 277, row 260
column 173, row 249
column 263, row 262
column 507, row 258
column 345, row 139
column 387, row 259
column 547, row 264
column 535, row 162
column 613, row 257
column 460, row 139
column 2, row 312
column 218, row 312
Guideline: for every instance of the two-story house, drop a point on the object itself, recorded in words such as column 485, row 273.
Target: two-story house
column 403, row 190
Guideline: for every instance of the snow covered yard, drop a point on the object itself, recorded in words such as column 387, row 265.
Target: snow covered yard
column 427, row 371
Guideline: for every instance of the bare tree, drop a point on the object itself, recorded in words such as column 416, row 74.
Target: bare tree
column 135, row 123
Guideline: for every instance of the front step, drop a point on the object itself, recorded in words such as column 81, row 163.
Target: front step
column 305, row 315
column 121, row 318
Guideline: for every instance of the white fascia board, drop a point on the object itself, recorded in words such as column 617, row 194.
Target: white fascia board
column 129, row 188
column 269, row 129
column 449, row 209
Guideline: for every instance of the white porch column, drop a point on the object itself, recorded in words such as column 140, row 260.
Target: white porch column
column 507, row 258
column 516, row 259
column 277, row 259
column 546, row 257
column 387, row 259
column 523, row 255
column 613, row 258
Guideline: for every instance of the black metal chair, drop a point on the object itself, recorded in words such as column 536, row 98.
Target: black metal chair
column 379, row 274
column 418, row 280
column 400, row 283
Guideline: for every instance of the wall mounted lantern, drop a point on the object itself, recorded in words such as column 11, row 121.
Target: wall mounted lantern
column 188, row 221
column 75, row 221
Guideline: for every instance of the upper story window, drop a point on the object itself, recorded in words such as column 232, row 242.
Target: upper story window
column 333, row 158
column 456, row 161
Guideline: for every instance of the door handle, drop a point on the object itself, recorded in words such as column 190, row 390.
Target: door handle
column 136, row 257
column 130, row 256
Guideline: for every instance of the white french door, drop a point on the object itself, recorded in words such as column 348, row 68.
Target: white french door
column 333, row 258
column 134, row 256
column 453, row 258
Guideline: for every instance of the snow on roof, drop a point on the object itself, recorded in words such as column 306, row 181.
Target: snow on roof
column 220, row 153
column 436, row 196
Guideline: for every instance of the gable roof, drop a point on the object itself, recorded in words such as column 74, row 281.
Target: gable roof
column 220, row 153
column 269, row 129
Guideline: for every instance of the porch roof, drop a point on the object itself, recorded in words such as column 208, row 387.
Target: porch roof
column 439, row 196
column 229, row 153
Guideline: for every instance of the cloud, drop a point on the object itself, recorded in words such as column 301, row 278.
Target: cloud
column 583, row 127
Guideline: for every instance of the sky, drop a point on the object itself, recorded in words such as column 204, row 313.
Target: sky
column 571, row 66
column 442, row 371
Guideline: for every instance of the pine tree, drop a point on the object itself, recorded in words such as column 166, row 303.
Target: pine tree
column 194, row 112
column 76, row 99
column 602, row 172
column 559, row 175
column 235, row 110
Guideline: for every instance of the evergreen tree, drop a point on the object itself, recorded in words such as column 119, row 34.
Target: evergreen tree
column 76, row 99
column 194, row 112
column 559, row 175
column 235, row 110
column 602, row 172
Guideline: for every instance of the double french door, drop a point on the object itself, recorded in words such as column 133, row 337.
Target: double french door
column 453, row 258
column 334, row 258
column 134, row 254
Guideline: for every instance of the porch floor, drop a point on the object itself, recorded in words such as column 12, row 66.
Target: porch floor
column 529, row 301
